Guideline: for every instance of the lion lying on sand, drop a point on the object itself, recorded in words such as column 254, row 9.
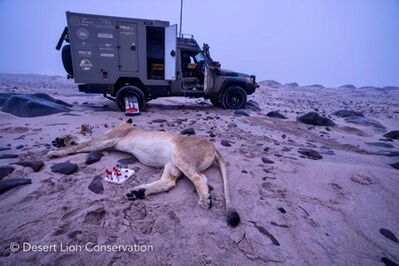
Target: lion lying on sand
column 177, row 154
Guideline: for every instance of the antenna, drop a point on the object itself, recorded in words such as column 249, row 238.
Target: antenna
column 181, row 16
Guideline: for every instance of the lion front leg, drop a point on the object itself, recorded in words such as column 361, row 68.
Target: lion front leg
column 167, row 181
column 88, row 146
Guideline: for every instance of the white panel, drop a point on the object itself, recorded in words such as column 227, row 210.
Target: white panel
column 170, row 52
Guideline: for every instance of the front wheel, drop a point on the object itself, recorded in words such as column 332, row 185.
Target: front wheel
column 129, row 91
column 234, row 97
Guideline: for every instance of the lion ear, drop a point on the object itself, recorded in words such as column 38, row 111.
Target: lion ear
column 129, row 121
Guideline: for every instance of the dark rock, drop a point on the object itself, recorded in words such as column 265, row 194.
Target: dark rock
column 253, row 106
column 388, row 262
column 225, row 143
column 5, row 149
column 381, row 144
column 282, row 210
column 35, row 165
column 8, row 184
column 265, row 160
column 388, row 234
column 19, row 147
column 283, row 136
column 275, row 114
column 127, row 161
column 392, row 134
column 188, row 131
column 231, row 125
column 64, row 168
column 244, row 171
column 347, row 113
column 285, row 149
column 389, row 153
column 395, row 165
column 93, row 157
column 5, row 171
column 363, row 121
column 32, row 105
column 158, row 121
column 8, row 156
column 312, row 154
column 313, row 118
column 96, row 185
column 241, row 113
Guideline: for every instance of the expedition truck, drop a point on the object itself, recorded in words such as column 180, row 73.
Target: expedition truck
column 125, row 57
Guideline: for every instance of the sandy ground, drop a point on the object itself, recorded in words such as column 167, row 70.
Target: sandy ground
column 295, row 211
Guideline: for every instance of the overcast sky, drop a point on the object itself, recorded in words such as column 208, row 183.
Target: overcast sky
column 328, row 42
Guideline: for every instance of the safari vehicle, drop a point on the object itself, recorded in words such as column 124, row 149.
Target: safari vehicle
column 125, row 57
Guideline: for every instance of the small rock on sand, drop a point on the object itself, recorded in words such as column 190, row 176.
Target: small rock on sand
column 5, row 171
column 312, row 154
column 93, row 157
column 188, row 131
column 388, row 234
column 381, row 144
column 158, row 121
column 363, row 121
column 392, row 134
column 313, row 118
column 347, row 113
column 276, row 114
column 35, row 165
column 225, row 143
column 64, row 168
column 96, row 185
column 265, row 160
column 240, row 113
column 8, row 184
column 8, row 156
column 395, row 165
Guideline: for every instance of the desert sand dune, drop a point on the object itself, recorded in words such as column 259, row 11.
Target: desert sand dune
column 306, row 194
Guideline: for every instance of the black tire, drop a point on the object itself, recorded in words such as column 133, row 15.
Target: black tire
column 215, row 101
column 234, row 97
column 67, row 59
column 129, row 90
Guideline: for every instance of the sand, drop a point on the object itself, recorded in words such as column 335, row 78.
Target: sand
column 294, row 211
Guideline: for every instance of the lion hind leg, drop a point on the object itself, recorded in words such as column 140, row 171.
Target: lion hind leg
column 200, row 182
column 167, row 181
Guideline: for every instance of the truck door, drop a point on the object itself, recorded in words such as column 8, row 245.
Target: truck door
column 127, row 42
column 170, row 52
column 209, row 79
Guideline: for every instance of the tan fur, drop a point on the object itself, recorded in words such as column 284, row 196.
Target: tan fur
column 188, row 155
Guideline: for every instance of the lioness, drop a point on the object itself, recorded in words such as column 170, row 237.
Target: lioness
column 178, row 154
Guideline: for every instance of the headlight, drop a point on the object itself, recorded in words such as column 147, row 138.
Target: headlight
column 249, row 79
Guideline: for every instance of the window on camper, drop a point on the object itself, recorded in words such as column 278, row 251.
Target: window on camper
column 155, row 52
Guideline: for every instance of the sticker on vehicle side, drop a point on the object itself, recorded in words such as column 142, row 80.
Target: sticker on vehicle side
column 85, row 64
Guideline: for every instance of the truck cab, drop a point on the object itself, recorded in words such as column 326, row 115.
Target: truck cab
column 124, row 57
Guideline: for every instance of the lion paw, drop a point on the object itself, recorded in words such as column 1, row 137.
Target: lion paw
column 136, row 194
column 206, row 203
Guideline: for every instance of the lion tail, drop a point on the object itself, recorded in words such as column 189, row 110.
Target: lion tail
column 233, row 218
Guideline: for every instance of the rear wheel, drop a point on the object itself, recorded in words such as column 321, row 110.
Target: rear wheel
column 234, row 97
column 129, row 91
